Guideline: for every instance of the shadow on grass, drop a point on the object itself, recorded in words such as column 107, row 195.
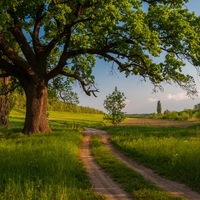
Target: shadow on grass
column 155, row 131
column 75, row 124
column 43, row 166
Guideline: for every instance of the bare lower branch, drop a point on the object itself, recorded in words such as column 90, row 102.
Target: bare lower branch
column 88, row 90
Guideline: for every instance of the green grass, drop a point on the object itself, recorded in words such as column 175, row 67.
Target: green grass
column 133, row 183
column 66, row 119
column 171, row 151
column 42, row 166
column 47, row 166
column 71, row 120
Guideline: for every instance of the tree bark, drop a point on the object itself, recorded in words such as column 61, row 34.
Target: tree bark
column 36, row 108
column 4, row 103
column 3, row 111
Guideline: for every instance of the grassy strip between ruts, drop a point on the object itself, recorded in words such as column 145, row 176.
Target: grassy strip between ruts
column 130, row 181
column 172, row 152
column 42, row 166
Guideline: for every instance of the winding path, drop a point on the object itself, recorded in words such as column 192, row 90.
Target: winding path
column 103, row 184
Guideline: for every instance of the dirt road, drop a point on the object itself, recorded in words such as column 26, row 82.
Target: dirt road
column 103, row 184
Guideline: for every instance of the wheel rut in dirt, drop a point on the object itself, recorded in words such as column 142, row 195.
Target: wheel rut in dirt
column 103, row 184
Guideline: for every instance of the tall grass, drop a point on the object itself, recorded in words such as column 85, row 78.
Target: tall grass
column 171, row 151
column 43, row 166
column 132, row 182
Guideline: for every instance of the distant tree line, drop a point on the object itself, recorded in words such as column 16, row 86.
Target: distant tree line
column 68, row 107
column 185, row 115
column 55, row 104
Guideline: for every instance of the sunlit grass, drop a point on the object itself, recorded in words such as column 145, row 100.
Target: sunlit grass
column 68, row 119
column 42, row 166
column 132, row 182
column 47, row 166
column 171, row 151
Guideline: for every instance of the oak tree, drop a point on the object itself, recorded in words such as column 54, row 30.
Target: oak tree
column 45, row 39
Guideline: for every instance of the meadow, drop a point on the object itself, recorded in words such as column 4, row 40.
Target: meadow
column 129, row 180
column 47, row 166
column 44, row 166
column 172, row 152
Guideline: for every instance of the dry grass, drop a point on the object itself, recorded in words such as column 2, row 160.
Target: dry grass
column 156, row 122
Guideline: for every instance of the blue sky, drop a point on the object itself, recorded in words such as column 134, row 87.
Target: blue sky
column 140, row 98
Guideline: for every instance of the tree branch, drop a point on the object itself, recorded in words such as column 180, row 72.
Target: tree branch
column 13, row 56
column 23, row 43
column 82, row 82
column 35, row 36
column 10, row 69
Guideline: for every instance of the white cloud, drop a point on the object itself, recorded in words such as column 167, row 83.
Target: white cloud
column 127, row 101
column 178, row 96
column 152, row 99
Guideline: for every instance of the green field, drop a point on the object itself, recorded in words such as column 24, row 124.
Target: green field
column 172, row 152
column 129, row 180
column 47, row 166
column 44, row 166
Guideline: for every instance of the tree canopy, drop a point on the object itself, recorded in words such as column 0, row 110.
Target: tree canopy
column 45, row 39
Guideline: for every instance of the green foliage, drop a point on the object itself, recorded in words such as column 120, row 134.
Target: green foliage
column 197, row 107
column 185, row 115
column 19, row 100
column 114, row 103
column 58, row 105
column 159, row 107
column 66, row 36
column 197, row 115
column 61, row 88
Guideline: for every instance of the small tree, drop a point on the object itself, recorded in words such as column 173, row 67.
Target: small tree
column 197, row 107
column 159, row 107
column 114, row 103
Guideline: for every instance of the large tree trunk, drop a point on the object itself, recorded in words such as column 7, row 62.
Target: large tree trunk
column 4, row 103
column 36, row 108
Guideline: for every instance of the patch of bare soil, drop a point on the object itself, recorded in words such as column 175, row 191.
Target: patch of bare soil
column 156, row 122
column 103, row 184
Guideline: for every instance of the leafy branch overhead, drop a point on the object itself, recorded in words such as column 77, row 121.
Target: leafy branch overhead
column 45, row 39
column 62, row 37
